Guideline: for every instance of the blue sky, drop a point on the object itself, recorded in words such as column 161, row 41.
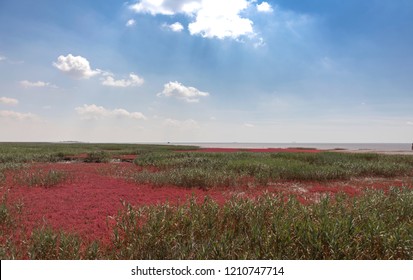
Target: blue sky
column 206, row 70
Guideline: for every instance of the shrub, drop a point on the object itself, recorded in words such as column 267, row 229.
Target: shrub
column 98, row 157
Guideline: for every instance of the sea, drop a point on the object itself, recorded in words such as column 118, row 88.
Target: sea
column 385, row 147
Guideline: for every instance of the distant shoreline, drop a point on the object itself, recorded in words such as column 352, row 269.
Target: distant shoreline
column 381, row 148
column 399, row 148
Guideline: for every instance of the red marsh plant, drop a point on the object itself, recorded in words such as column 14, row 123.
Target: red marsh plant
column 375, row 225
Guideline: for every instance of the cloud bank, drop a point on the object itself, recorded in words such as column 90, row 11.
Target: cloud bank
column 38, row 84
column 16, row 115
column 94, row 112
column 8, row 101
column 209, row 18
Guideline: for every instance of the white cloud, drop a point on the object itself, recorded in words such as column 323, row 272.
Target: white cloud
column 17, row 116
column 8, row 101
column 175, row 27
column 133, row 81
column 28, row 84
column 2, row 58
column 219, row 20
column 264, row 7
column 75, row 66
column 185, row 125
column 130, row 23
column 98, row 112
column 79, row 67
column 248, row 125
column 152, row 7
column 179, row 91
column 409, row 123
column 167, row 7
column 210, row 18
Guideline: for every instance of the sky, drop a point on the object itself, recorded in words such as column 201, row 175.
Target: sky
column 281, row 71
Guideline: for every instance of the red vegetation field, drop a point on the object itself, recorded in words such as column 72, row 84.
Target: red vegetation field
column 92, row 193
column 89, row 196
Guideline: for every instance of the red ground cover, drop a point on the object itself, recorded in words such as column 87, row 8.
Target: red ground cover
column 93, row 193
column 89, row 196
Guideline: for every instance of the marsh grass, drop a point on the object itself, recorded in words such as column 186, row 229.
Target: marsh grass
column 373, row 226
column 98, row 157
column 8, row 250
column 41, row 178
column 4, row 167
column 5, row 217
column 2, row 178
column 47, row 244
column 54, row 152
column 185, row 177
column 207, row 169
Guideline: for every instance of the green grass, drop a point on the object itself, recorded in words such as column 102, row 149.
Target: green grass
column 185, row 177
column 47, row 244
column 5, row 217
column 41, row 178
column 2, row 178
column 375, row 225
column 206, row 170
column 53, row 152
column 98, row 156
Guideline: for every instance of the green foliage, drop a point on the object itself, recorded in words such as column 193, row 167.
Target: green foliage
column 53, row 152
column 43, row 244
column 40, row 178
column 373, row 226
column 5, row 217
column 185, row 177
column 93, row 251
column 98, row 156
column 208, row 169
column 2, row 178
column 46, row 244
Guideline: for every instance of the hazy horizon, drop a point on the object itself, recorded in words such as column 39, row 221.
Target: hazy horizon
column 284, row 71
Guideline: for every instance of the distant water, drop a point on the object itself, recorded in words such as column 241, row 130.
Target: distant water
column 388, row 147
